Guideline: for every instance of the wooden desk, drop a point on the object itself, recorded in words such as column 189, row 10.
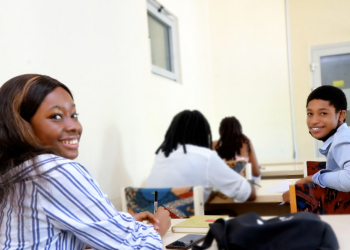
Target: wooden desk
column 339, row 223
column 261, row 195
column 266, row 204
column 293, row 162
column 282, row 172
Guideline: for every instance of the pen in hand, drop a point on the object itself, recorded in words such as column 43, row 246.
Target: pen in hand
column 282, row 203
column 155, row 202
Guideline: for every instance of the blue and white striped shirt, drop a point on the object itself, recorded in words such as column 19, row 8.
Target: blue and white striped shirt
column 65, row 209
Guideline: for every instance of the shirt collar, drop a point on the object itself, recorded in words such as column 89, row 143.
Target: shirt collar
column 326, row 145
column 343, row 126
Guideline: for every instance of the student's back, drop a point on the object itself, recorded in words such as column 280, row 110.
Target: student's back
column 198, row 167
column 185, row 158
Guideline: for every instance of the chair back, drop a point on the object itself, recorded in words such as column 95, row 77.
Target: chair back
column 314, row 166
column 313, row 198
column 182, row 201
column 242, row 167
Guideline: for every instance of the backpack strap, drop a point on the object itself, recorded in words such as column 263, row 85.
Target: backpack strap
column 217, row 231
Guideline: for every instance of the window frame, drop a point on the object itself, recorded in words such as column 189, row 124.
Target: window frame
column 165, row 17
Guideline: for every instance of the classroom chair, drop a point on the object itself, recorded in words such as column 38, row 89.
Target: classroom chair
column 182, row 201
column 238, row 166
column 313, row 198
column 312, row 167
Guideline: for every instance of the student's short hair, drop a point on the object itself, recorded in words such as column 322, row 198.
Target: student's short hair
column 335, row 96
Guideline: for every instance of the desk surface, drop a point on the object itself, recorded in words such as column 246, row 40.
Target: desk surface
column 292, row 162
column 261, row 195
column 282, row 171
column 170, row 236
column 339, row 223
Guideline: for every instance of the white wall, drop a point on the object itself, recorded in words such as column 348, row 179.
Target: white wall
column 195, row 91
column 250, row 73
column 100, row 50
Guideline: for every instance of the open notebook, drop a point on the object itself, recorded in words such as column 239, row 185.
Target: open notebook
column 196, row 224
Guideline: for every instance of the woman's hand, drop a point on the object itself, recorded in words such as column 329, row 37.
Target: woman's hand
column 163, row 216
column 147, row 216
column 161, row 220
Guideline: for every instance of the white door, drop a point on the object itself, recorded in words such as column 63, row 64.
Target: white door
column 330, row 65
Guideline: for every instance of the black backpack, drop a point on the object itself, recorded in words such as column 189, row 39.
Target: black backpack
column 297, row 231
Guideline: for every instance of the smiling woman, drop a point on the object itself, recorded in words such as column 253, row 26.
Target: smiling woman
column 47, row 200
column 56, row 124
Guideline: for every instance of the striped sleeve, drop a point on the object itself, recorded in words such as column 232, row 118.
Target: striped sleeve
column 75, row 203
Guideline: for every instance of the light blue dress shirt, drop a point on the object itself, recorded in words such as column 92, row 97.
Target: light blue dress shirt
column 337, row 172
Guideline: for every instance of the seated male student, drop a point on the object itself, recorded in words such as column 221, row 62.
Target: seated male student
column 326, row 111
column 185, row 158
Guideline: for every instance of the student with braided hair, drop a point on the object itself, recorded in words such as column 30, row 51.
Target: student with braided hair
column 233, row 145
column 185, row 158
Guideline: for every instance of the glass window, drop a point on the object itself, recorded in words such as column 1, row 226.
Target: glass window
column 335, row 70
column 163, row 41
column 160, row 45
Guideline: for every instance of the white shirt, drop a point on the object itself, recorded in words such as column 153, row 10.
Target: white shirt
column 198, row 167
column 65, row 209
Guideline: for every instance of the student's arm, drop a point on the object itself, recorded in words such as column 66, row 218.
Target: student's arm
column 254, row 161
column 227, row 181
column 307, row 179
column 339, row 180
column 286, row 196
column 252, row 195
column 161, row 220
column 80, row 207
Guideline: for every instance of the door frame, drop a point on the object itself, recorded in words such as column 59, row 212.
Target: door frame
column 316, row 52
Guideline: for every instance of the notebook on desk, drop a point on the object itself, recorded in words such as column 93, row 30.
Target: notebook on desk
column 196, row 224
